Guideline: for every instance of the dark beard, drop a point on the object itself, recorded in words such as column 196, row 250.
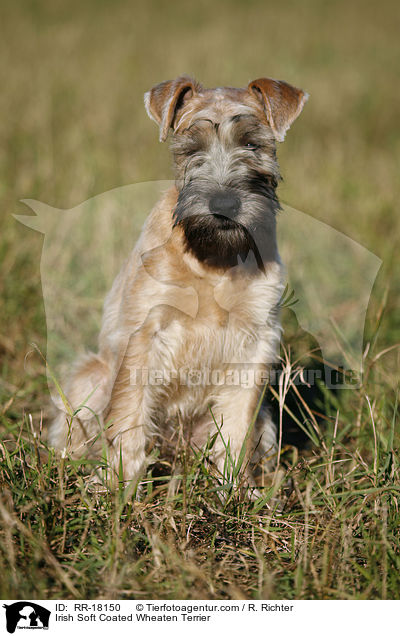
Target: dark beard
column 220, row 242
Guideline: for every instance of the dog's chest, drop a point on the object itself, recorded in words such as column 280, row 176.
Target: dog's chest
column 222, row 319
column 231, row 326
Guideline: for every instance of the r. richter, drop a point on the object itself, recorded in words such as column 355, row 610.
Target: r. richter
column 278, row 607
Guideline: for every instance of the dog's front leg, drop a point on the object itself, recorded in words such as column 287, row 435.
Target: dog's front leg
column 130, row 414
column 241, row 427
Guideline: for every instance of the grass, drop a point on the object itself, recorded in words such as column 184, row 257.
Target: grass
column 335, row 536
column 73, row 125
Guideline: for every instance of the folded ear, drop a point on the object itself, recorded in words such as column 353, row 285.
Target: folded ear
column 282, row 103
column 163, row 101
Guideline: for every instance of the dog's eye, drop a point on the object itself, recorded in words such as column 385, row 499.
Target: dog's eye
column 250, row 146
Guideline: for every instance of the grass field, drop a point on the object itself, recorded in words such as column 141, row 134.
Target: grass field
column 72, row 125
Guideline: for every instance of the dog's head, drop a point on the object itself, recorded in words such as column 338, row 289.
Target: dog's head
column 224, row 149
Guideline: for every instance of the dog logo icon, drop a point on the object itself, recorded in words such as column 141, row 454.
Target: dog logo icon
column 26, row 615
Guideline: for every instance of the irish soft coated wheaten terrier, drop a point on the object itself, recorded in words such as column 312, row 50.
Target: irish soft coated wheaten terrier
column 194, row 312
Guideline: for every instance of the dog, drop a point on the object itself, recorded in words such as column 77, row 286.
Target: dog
column 199, row 295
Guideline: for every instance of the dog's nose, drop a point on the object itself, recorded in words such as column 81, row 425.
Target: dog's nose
column 224, row 203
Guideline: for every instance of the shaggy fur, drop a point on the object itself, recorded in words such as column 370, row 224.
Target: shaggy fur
column 200, row 291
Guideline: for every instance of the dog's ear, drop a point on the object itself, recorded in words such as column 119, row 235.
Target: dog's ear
column 163, row 101
column 282, row 103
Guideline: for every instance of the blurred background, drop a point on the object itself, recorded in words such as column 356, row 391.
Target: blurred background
column 73, row 124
